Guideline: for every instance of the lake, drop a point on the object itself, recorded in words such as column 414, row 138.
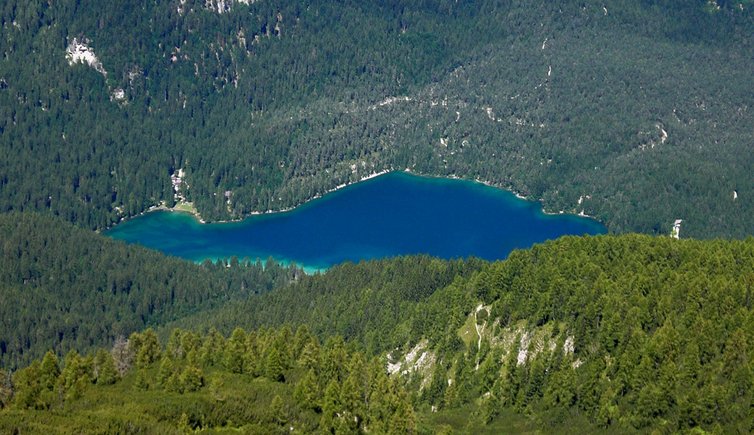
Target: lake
column 393, row 214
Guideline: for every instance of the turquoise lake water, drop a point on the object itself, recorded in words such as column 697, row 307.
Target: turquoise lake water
column 390, row 215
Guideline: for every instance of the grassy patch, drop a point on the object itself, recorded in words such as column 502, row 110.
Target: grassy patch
column 186, row 207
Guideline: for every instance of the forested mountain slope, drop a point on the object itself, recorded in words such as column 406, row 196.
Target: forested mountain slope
column 366, row 302
column 265, row 382
column 64, row 287
column 638, row 113
column 629, row 333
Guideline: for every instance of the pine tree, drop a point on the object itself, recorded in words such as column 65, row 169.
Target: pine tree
column 535, row 387
column 273, row 367
column 213, row 348
column 330, row 407
column 28, row 386
column 141, row 382
column 306, row 392
column 252, row 364
column 123, row 355
column 75, row 376
column 352, row 403
column 277, row 411
column 333, row 360
column 283, row 342
column 190, row 342
column 105, row 368
column 310, row 355
column 736, row 374
column 167, row 368
column 489, row 369
column 173, row 383
column 450, row 398
column 49, row 371
column 191, row 379
column 379, row 407
column 234, row 351
column 403, row 420
column 434, row 393
column 300, row 340
column 490, row 408
column 175, row 345
column 149, row 349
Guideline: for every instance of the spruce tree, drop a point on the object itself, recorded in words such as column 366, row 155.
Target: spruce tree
column 277, row 411
column 403, row 420
column 142, row 381
column 28, row 386
column 167, row 368
column 49, row 371
column 235, row 349
column 306, row 392
column 105, row 367
column 310, row 355
column 273, row 366
column 149, row 349
column 330, row 407
column 191, row 379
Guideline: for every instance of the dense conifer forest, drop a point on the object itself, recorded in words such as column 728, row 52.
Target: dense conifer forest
column 638, row 113
column 266, row 381
column 635, row 112
column 616, row 333
column 67, row 288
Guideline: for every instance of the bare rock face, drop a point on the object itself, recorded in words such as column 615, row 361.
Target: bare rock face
column 223, row 6
column 79, row 51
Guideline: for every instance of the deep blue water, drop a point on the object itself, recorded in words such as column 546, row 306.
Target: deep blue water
column 393, row 214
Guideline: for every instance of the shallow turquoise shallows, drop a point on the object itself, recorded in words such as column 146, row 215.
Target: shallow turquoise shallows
column 393, row 214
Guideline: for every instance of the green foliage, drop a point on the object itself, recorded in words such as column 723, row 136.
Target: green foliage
column 6, row 388
column 64, row 288
column 307, row 392
column 104, row 366
column 273, row 367
column 629, row 333
column 233, row 401
column 146, row 347
column 275, row 103
column 49, row 370
column 79, row 372
column 277, row 411
column 191, row 379
column 363, row 302
column 235, row 350
column 646, row 334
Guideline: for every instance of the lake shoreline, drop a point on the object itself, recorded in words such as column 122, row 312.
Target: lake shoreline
column 195, row 213
column 399, row 213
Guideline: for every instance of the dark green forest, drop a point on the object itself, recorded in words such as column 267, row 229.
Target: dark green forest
column 637, row 113
column 66, row 288
column 606, row 333
column 629, row 332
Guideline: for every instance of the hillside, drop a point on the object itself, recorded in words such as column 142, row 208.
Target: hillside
column 629, row 332
column 66, row 288
column 637, row 113
column 622, row 334
column 252, row 383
